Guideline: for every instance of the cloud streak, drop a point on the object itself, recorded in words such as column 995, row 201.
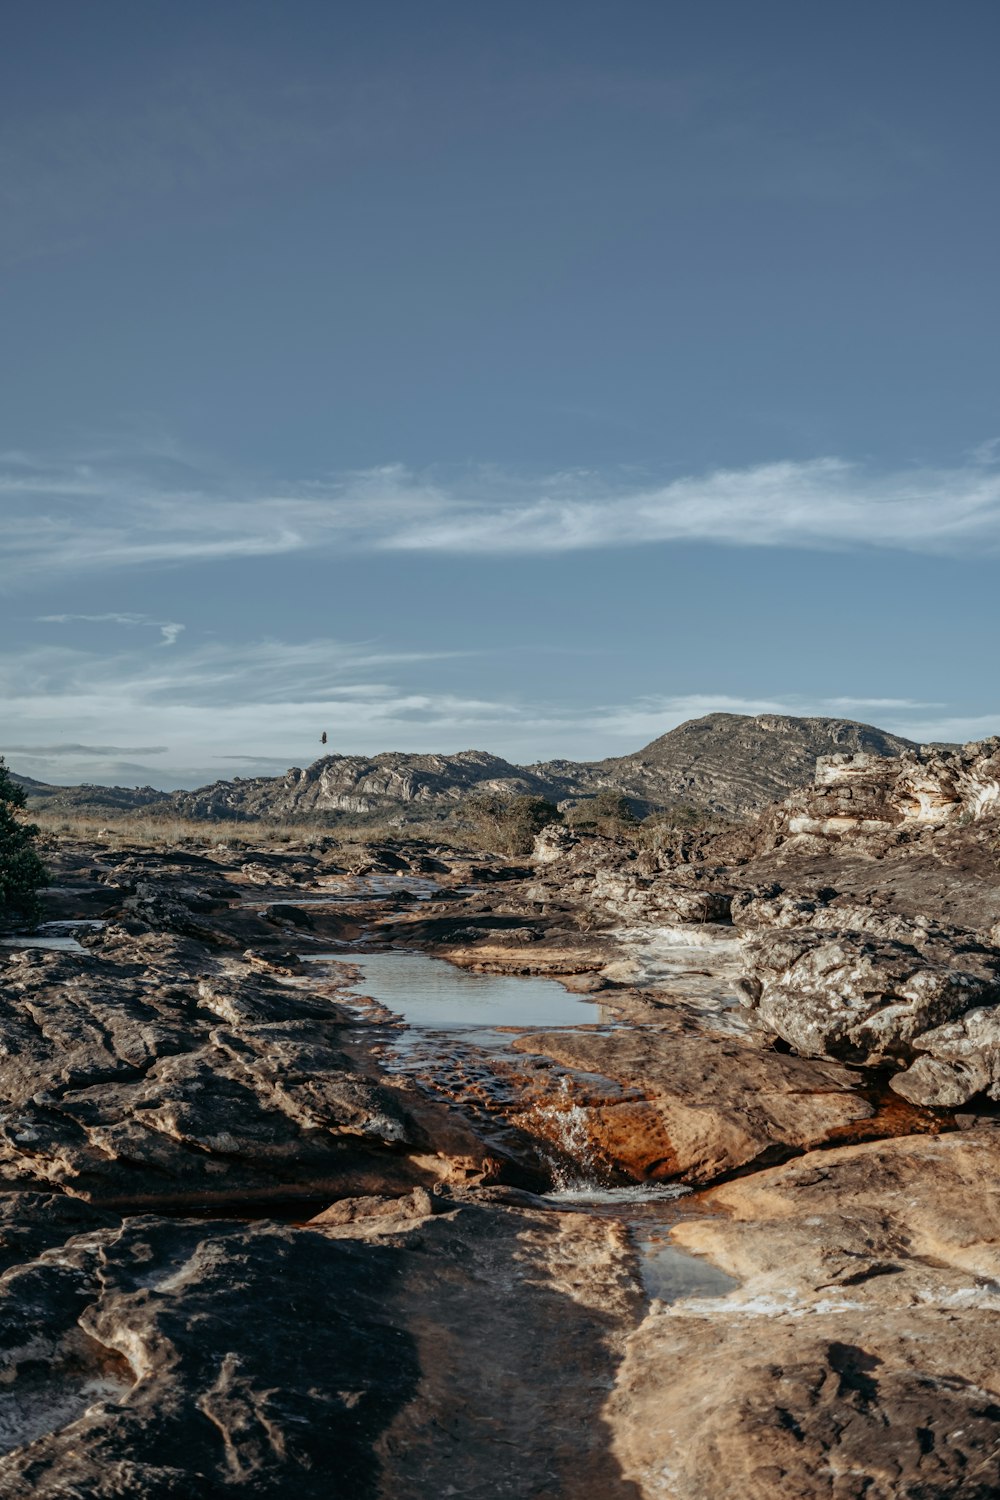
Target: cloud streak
column 62, row 518
column 169, row 629
column 87, row 750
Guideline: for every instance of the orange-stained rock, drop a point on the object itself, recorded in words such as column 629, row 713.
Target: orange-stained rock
column 697, row 1104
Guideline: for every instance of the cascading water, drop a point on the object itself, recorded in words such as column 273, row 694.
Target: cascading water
column 576, row 1163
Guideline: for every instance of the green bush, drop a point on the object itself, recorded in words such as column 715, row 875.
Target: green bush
column 509, row 824
column 22, row 873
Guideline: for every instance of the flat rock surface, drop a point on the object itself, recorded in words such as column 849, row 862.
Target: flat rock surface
column 397, row 1356
column 856, row 1359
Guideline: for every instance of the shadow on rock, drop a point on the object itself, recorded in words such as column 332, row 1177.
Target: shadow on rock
column 260, row 1361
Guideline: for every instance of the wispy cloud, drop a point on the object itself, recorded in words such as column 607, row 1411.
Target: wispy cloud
column 114, row 514
column 206, row 707
column 87, row 750
column 169, row 629
column 824, row 502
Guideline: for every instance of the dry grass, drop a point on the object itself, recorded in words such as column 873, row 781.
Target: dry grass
column 166, row 832
column 170, row 832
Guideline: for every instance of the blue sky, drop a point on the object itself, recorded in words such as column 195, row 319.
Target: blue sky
column 527, row 377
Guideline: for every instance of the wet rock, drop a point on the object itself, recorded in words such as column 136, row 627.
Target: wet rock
column 516, row 1409
column 857, row 1356
column 695, row 1105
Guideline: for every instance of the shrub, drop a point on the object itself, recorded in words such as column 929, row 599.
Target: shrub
column 509, row 824
column 607, row 812
column 684, row 825
column 22, row 873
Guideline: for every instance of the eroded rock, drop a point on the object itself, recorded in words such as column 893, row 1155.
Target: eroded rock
column 127, row 1079
column 206, row 1359
column 860, row 998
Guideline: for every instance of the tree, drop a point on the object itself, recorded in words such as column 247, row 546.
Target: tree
column 22, row 873
column 509, row 824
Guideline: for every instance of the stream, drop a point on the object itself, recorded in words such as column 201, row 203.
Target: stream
column 461, row 1023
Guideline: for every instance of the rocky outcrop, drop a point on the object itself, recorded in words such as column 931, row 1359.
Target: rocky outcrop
column 855, row 968
column 613, row 879
column 361, row 784
column 856, row 795
column 856, row 1358
column 862, row 998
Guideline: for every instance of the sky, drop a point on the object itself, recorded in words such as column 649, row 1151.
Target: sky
column 522, row 377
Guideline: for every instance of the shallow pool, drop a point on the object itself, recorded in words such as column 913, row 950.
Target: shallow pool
column 429, row 992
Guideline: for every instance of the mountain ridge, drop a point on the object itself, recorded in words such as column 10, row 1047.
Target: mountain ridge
column 731, row 764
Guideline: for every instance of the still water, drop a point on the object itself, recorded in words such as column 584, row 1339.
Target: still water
column 428, row 992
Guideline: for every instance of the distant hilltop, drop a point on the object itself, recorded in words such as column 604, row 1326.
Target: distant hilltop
column 731, row 764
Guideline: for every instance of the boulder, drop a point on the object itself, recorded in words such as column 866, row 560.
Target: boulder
column 957, row 1061
column 859, row 998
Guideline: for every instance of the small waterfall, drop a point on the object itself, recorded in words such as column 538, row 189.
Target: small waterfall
column 576, row 1165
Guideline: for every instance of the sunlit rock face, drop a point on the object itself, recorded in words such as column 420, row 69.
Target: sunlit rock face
column 861, row 998
column 858, row 794
column 857, row 1355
